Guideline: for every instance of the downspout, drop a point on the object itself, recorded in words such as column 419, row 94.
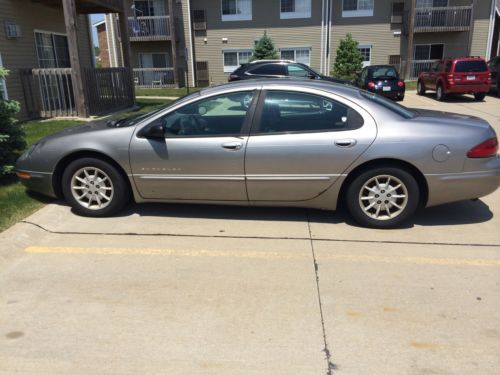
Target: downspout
column 328, row 35
column 191, row 42
column 490, row 31
column 91, row 41
column 322, row 52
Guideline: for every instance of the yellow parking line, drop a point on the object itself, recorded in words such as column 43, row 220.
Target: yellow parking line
column 264, row 255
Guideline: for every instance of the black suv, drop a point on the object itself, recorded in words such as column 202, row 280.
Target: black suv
column 494, row 65
column 277, row 69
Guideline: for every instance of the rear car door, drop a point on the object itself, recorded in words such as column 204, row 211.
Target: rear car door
column 301, row 142
column 201, row 156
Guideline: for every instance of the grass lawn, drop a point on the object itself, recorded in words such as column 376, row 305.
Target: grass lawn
column 165, row 91
column 411, row 85
column 15, row 201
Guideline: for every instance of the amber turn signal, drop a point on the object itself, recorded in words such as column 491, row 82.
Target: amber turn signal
column 23, row 175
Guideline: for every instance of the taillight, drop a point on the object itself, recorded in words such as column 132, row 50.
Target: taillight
column 401, row 84
column 371, row 85
column 450, row 79
column 489, row 78
column 487, row 149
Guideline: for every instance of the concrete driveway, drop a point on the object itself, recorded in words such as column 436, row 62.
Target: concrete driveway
column 170, row 289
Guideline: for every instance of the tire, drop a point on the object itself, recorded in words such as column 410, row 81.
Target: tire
column 440, row 95
column 107, row 190
column 420, row 88
column 371, row 205
column 479, row 96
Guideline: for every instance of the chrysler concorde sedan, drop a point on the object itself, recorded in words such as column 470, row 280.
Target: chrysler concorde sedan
column 272, row 143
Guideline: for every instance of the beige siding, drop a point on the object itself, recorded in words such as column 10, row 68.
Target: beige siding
column 480, row 37
column 455, row 43
column 185, row 39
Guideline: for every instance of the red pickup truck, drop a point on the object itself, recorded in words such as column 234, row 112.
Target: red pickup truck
column 464, row 75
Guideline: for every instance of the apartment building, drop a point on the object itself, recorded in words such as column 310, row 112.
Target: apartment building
column 47, row 47
column 213, row 37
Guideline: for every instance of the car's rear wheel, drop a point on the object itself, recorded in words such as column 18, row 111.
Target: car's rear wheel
column 94, row 187
column 479, row 96
column 383, row 197
column 420, row 88
column 440, row 93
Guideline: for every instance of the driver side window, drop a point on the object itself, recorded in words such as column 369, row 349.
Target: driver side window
column 297, row 71
column 217, row 116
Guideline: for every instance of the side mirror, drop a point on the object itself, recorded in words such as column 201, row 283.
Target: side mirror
column 153, row 132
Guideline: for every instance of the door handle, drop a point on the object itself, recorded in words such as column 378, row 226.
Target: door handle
column 232, row 145
column 345, row 143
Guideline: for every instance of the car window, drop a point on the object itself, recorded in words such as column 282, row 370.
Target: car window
column 221, row 115
column 289, row 112
column 470, row 66
column 297, row 71
column 383, row 72
column 388, row 104
column 269, row 70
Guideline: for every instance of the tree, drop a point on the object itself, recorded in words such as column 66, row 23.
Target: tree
column 11, row 135
column 348, row 60
column 264, row 49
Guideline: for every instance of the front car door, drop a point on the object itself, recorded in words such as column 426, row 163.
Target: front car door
column 202, row 154
column 301, row 143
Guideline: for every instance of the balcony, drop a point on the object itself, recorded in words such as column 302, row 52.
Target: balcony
column 441, row 19
column 154, row 77
column 89, row 6
column 150, row 28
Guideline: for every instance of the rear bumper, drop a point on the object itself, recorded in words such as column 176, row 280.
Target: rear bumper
column 445, row 188
column 41, row 182
column 394, row 94
column 466, row 89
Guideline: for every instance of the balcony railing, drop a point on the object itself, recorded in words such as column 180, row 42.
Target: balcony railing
column 154, row 77
column 151, row 28
column 443, row 19
column 419, row 66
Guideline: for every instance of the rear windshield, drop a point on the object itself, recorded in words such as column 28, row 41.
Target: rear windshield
column 383, row 72
column 388, row 104
column 470, row 66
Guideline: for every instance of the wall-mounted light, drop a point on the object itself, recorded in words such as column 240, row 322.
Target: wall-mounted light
column 224, row 40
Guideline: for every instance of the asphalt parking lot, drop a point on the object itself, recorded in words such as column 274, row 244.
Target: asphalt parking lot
column 171, row 289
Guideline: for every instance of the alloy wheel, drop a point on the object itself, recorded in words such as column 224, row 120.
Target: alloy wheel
column 92, row 188
column 383, row 197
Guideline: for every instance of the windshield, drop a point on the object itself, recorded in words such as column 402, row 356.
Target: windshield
column 389, row 104
column 386, row 72
column 470, row 66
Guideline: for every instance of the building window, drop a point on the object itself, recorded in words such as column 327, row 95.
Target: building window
column 295, row 9
column 153, row 60
column 52, row 50
column 428, row 52
column 233, row 59
column 357, row 8
column 236, row 10
column 3, row 87
column 300, row 55
column 366, row 52
column 431, row 3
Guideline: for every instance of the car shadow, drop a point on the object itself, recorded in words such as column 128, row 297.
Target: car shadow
column 450, row 98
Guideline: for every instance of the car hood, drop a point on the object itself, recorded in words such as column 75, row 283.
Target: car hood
column 450, row 118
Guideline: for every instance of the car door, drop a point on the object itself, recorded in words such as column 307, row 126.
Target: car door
column 200, row 156
column 434, row 75
column 301, row 142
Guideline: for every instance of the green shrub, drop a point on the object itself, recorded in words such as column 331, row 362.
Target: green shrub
column 11, row 134
column 349, row 60
column 264, row 49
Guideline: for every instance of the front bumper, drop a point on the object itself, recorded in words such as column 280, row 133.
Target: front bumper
column 40, row 182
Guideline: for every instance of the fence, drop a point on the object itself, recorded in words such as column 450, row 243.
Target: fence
column 149, row 28
column 154, row 77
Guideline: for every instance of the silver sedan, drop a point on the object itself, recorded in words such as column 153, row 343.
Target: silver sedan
column 272, row 143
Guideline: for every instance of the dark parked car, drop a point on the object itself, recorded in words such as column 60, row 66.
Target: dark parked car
column 464, row 75
column 383, row 80
column 278, row 69
column 494, row 66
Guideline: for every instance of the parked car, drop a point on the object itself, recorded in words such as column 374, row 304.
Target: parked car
column 299, row 143
column 278, row 69
column 494, row 66
column 465, row 75
column 383, row 80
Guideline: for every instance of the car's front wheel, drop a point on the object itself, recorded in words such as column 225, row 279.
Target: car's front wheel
column 382, row 197
column 94, row 187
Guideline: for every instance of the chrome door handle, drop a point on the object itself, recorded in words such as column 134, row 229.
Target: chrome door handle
column 345, row 143
column 232, row 145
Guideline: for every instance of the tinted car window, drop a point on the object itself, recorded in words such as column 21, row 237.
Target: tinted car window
column 470, row 66
column 388, row 104
column 221, row 115
column 383, row 72
column 287, row 112
column 297, row 71
column 270, row 70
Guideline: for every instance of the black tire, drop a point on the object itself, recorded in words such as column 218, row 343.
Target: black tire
column 115, row 187
column 420, row 88
column 377, row 216
column 479, row 96
column 440, row 95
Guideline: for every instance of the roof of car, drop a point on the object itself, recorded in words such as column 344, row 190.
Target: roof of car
column 270, row 61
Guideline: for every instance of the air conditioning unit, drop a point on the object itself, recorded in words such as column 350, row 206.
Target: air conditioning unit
column 397, row 12
column 12, row 30
column 199, row 20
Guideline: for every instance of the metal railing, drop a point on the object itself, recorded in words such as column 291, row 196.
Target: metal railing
column 154, row 77
column 419, row 66
column 443, row 19
column 149, row 28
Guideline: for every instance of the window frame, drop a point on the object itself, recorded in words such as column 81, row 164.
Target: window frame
column 295, row 49
column 368, row 47
column 358, row 12
column 257, row 117
column 296, row 14
column 4, row 95
column 166, row 54
column 231, row 68
column 56, row 58
column 236, row 16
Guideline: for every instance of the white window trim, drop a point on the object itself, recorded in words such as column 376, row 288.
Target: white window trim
column 369, row 46
column 230, row 69
column 236, row 17
column 357, row 13
column 4, row 83
column 294, row 49
column 292, row 15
